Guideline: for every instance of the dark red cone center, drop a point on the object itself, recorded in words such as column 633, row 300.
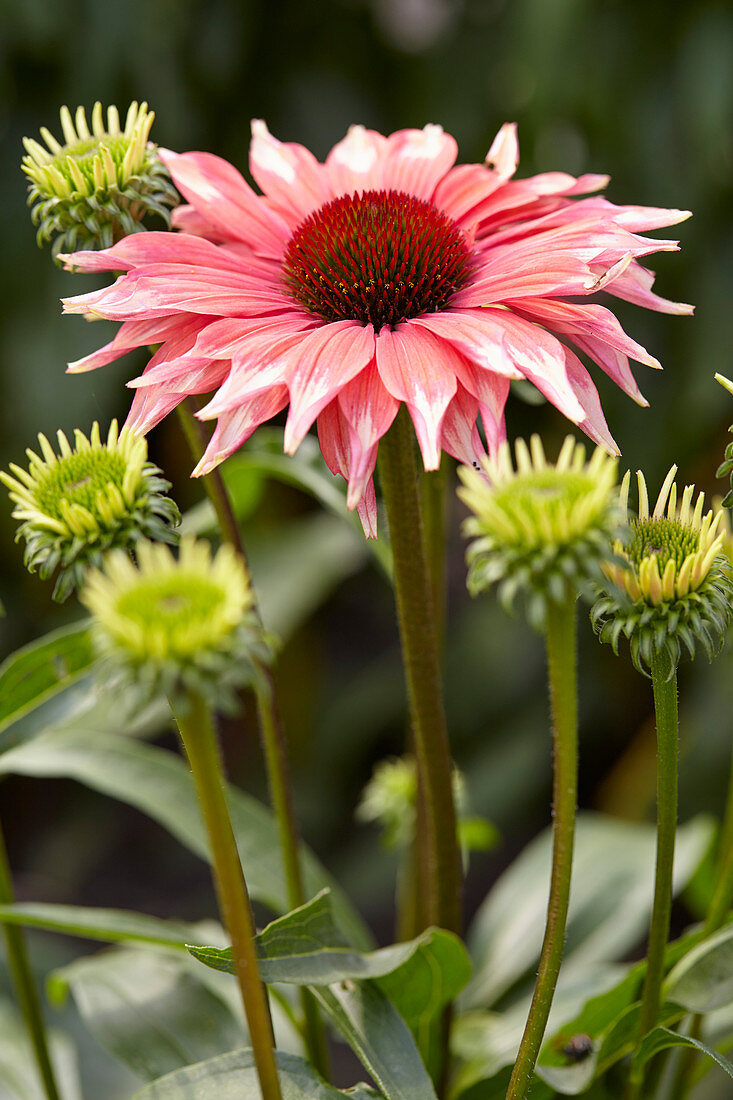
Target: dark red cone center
column 379, row 256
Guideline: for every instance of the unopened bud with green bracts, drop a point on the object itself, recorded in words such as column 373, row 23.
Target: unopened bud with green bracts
column 670, row 582
column 100, row 184
column 541, row 530
column 181, row 626
column 79, row 503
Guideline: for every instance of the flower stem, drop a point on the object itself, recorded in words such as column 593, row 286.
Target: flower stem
column 272, row 736
column 563, row 683
column 433, row 487
column 420, row 649
column 664, row 684
column 719, row 907
column 202, row 749
column 25, row 986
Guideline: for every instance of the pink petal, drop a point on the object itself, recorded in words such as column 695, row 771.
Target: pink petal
column 368, row 409
column 416, row 160
column 503, row 156
column 584, row 319
column 334, row 438
column 635, row 284
column 354, row 164
column 154, row 247
column 259, row 364
column 234, row 428
column 149, row 407
column 131, row 334
column 420, row 370
column 613, row 362
column 187, row 218
column 225, row 200
column 232, row 337
column 460, row 435
column 474, row 333
column 318, row 367
column 289, row 175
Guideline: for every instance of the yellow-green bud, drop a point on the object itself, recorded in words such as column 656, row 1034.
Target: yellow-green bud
column 75, row 505
column 541, row 529
column 98, row 185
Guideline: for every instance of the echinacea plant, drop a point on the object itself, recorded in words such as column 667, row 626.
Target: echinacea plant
column 388, row 298
column 543, row 530
column 670, row 585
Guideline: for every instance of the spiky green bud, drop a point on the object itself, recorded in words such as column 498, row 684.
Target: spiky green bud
column 177, row 626
column 540, row 530
column 100, row 184
column 670, row 583
column 79, row 503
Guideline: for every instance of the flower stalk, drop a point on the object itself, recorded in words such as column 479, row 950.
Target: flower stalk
column 664, row 683
column 25, row 986
column 420, row 651
column 271, row 732
column 202, row 749
column 560, row 641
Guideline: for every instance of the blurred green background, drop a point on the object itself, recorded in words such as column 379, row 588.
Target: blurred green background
column 642, row 91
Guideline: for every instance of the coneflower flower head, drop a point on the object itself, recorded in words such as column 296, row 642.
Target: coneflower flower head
column 99, row 185
column 670, row 580
column 176, row 626
column 75, row 505
column 541, row 529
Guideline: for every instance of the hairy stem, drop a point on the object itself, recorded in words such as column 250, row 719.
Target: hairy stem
column 24, row 983
column 420, row 650
column 664, row 683
column 563, row 684
column 202, row 749
column 720, row 905
column 271, row 732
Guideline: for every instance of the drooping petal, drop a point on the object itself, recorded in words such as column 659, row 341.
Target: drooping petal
column 335, row 441
column 420, row 370
column 460, row 435
column 368, row 409
column 234, row 428
column 635, row 284
column 321, row 364
column 130, row 335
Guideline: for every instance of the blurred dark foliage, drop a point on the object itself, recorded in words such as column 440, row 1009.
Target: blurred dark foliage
column 643, row 91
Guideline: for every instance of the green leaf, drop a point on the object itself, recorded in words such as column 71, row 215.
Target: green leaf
column 380, row 1038
column 662, row 1038
column 158, row 783
column 703, row 979
column 233, row 1077
column 305, row 947
column 108, row 925
column 18, row 1068
column 41, row 670
column 148, row 1010
column 611, row 898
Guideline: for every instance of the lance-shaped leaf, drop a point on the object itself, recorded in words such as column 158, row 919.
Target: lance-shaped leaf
column 703, row 980
column 233, row 1077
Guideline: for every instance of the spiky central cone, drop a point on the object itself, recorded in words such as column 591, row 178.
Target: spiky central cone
column 666, row 539
column 379, row 257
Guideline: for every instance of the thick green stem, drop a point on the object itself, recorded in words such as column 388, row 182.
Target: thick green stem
column 664, row 683
column 272, row 735
column 202, row 749
column 420, row 650
column 434, row 483
column 563, row 683
column 719, row 907
column 24, row 983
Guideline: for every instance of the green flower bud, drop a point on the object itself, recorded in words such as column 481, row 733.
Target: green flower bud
column 98, row 186
column 177, row 626
column 541, row 530
column 91, row 497
column 670, row 582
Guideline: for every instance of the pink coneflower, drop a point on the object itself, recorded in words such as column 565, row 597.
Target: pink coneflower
column 384, row 275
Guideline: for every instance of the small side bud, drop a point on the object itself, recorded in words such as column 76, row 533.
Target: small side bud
column 100, row 184
column 86, row 499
